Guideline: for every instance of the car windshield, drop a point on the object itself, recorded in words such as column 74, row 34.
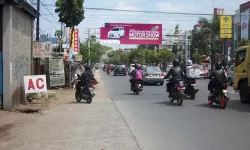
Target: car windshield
column 115, row 29
column 120, row 66
column 153, row 69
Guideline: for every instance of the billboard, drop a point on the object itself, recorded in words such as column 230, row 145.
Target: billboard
column 125, row 33
column 244, row 21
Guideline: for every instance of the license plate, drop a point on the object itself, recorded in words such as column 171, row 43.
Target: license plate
column 139, row 84
column 193, row 84
column 224, row 91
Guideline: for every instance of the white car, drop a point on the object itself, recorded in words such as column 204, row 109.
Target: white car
column 116, row 32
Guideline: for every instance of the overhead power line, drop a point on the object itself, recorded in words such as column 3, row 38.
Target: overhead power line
column 135, row 4
column 144, row 11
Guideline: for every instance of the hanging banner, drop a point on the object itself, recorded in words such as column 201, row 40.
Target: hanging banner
column 56, row 70
column 75, row 40
column 244, row 21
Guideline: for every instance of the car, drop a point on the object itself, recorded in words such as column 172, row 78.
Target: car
column 116, row 32
column 230, row 77
column 204, row 73
column 152, row 74
column 120, row 69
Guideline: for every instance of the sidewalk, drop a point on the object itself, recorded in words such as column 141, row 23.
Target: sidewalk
column 72, row 126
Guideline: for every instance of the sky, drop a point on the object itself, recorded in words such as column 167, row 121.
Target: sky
column 93, row 18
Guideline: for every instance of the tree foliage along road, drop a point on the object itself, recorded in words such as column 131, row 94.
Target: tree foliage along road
column 96, row 50
column 206, row 41
column 139, row 55
column 70, row 12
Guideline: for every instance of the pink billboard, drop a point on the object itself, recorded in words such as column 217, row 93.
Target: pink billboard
column 125, row 33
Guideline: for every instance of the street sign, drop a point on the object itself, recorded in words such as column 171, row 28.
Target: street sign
column 225, row 36
column 227, row 31
column 226, row 22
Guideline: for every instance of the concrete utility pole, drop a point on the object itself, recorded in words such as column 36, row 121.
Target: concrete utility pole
column 37, row 34
column 89, row 44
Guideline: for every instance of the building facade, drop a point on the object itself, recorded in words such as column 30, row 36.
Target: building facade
column 17, row 37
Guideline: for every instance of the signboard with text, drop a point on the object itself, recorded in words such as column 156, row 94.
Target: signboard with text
column 42, row 49
column 75, row 40
column 56, row 71
column 226, row 24
column 127, row 33
column 35, row 84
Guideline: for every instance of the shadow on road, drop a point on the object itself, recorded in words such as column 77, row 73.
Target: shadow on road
column 167, row 103
column 151, row 84
column 206, row 105
column 238, row 106
column 75, row 102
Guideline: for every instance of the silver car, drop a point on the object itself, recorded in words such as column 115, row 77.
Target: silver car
column 230, row 77
column 153, row 74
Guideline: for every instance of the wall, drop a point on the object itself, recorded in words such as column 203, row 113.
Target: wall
column 18, row 27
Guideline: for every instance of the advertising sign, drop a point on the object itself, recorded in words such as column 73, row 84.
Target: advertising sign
column 226, row 25
column 75, row 40
column 125, row 33
column 42, row 49
column 56, row 71
column 35, row 84
column 244, row 21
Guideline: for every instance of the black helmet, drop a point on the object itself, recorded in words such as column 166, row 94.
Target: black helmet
column 87, row 68
column 218, row 65
column 176, row 62
column 135, row 66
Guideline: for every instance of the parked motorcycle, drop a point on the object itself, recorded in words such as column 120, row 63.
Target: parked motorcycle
column 108, row 72
column 86, row 92
column 177, row 93
column 219, row 96
column 137, row 87
column 190, row 88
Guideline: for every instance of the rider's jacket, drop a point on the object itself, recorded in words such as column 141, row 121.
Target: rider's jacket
column 219, row 75
column 176, row 72
column 87, row 77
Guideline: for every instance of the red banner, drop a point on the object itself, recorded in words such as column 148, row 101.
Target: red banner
column 124, row 33
column 76, row 41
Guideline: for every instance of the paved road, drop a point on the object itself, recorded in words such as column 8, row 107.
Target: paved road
column 159, row 125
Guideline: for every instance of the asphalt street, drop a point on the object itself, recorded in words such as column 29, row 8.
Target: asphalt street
column 159, row 125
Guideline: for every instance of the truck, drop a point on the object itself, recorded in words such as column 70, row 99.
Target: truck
column 242, row 73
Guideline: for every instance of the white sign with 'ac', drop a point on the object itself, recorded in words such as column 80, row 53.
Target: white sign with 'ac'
column 35, row 84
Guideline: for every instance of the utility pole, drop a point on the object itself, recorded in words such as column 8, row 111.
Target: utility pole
column 61, row 40
column 89, row 44
column 37, row 34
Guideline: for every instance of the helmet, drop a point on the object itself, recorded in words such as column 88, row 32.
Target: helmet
column 189, row 62
column 176, row 62
column 87, row 68
column 135, row 66
column 218, row 65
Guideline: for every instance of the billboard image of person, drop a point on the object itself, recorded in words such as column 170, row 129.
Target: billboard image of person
column 125, row 33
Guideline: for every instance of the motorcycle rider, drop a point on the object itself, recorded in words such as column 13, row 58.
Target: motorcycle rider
column 86, row 78
column 219, row 78
column 133, row 79
column 177, row 75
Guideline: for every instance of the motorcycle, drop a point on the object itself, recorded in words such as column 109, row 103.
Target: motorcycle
column 86, row 92
column 219, row 96
column 177, row 93
column 190, row 88
column 137, row 87
column 104, row 69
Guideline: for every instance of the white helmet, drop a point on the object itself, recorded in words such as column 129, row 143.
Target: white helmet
column 189, row 62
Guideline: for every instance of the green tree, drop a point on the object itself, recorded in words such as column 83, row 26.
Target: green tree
column 166, row 55
column 58, row 32
column 176, row 33
column 70, row 12
column 207, row 40
column 196, row 56
column 244, row 42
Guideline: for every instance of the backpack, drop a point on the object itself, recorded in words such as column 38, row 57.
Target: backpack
column 138, row 75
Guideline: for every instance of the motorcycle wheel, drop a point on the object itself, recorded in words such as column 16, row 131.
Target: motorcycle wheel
column 77, row 97
column 223, row 103
column 180, row 101
column 89, row 100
